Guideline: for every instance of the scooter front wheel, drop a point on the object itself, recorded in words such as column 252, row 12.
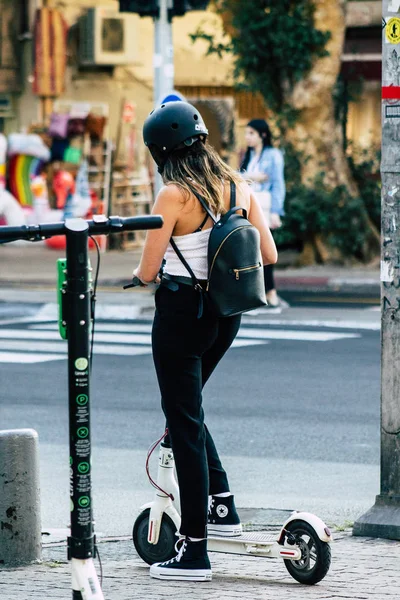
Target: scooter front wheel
column 315, row 554
column 165, row 547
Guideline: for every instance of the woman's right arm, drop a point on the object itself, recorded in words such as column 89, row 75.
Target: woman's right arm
column 256, row 217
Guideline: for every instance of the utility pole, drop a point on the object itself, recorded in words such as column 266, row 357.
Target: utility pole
column 163, row 62
column 383, row 519
column 162, row 12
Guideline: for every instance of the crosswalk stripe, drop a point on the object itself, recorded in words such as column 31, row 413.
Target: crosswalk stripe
column 112, row 327
column 36, row 350
column 61, row 347
column 25, row 357
column 304, row 336
column 244, row 332
column 129, row 338
column 326, row 324
column 42, row 343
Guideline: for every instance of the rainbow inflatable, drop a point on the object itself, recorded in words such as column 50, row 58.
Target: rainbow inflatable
column 21, row 170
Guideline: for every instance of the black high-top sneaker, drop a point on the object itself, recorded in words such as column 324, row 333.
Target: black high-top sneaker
column 190, row 564
column 223, row 519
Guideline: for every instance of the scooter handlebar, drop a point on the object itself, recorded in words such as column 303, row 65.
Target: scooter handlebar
column 134, row 283
column 99, row 225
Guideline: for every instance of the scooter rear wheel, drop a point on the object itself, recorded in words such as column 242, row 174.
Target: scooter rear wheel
column 316, row 554
column 165, row 547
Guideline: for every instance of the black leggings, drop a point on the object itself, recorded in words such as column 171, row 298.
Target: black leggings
column 186, row 351
column 269, row 278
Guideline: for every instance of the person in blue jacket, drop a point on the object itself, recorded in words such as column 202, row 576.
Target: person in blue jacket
column 264, row 166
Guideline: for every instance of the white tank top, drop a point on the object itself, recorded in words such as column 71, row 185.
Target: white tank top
column 194, row 248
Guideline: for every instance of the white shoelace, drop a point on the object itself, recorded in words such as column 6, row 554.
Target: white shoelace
column 211, row 502
column 180, row 552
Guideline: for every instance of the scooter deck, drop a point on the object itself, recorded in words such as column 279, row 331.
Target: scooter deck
column 257, row 543
column 257, row 537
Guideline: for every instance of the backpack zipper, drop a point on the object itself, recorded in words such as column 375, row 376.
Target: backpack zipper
column 219, row 248
column 251, row 268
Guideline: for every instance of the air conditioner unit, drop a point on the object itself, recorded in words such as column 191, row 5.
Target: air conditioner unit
column 107, row 37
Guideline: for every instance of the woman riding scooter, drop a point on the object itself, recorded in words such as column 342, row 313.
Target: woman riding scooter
column 189, row 343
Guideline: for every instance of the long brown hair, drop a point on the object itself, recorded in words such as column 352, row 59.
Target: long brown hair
column 199, row 168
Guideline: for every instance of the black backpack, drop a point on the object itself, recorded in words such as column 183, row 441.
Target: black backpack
column 235, row 282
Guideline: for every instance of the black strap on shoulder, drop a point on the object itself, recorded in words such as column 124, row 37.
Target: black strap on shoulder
column 233, row 195
column 179, row 253
column 195, row 281
column 184, row 262
column 204, row 205
column 204, row 221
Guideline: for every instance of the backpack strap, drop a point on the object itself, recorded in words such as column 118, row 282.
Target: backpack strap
column 233, row 195
column 202, row 224
column 204, row 205
column 195, row 281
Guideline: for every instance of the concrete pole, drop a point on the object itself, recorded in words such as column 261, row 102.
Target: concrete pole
column 383, row 519
column 163, row 61
column 20, row 521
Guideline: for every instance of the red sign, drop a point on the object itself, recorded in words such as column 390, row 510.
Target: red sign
column 391, row 92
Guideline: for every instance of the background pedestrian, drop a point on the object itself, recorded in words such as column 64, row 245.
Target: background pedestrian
column 264, row 165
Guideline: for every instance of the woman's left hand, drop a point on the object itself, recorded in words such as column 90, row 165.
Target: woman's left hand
column 136, row 273
column 274, row 221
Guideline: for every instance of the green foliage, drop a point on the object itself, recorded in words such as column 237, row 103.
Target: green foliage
column 275, row 46
column 333, row 214
column 365, row 167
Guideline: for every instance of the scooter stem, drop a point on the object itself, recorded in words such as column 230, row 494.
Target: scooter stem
column 166, row 475
column 162, row 501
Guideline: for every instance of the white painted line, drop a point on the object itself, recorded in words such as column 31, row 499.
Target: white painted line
column 240, row 343
column 146, row 327
column 18, row 320
column 20, row 357
column 120, row 312
column 60, row 347
column 53, row 335
column 112, row 327
column 304, row 336
column 316, row 323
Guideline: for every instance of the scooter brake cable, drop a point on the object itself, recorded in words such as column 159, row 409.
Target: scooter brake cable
column 149, row 453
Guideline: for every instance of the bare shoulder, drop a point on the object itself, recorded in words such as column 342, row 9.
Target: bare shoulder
column 243, row 194
column 170, row 193
column 169, row 199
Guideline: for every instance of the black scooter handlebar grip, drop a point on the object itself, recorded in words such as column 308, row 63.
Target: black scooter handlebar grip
column 134, row 283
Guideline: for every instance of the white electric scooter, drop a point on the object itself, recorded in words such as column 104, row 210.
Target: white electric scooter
column 303, row 541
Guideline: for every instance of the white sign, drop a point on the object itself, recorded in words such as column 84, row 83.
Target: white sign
column 394, row 5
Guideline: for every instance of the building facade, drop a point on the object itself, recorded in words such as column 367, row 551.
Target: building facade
column 206, row 81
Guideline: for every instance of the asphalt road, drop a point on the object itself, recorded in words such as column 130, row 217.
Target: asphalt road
column 294, row 410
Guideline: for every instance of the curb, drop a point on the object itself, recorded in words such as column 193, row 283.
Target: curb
column 367, row 286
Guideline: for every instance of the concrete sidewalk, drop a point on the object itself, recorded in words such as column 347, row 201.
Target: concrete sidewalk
column 33, row 265
column 362, row 568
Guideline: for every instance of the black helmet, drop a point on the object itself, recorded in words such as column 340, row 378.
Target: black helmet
column 168, row 126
